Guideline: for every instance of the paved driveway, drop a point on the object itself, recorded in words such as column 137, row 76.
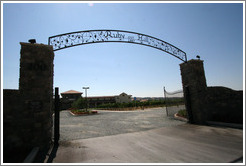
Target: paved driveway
column 107, row 123
column 183, row 143
column 143, row 136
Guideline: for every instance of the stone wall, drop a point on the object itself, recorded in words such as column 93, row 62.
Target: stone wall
column 225, row 105
column 28, row 111
column 194, row 81
column 204, row 103
column 15, row 134
column 36, row 89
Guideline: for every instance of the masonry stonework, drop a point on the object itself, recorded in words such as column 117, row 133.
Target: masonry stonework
column 204, row 103
column 36, row 89
column 13, row 126
column 225, row 105
column 193, row 78
column 28, row 111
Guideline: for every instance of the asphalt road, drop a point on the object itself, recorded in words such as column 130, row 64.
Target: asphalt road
column 184, row 143
column 143, row 136
column 107, row 123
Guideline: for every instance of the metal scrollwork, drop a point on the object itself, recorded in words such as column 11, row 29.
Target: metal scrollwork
column 97, row 36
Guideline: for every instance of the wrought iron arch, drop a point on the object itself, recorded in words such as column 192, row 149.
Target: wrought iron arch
column 72, row 39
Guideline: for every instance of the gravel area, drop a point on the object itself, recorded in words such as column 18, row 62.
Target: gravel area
column 115, row 122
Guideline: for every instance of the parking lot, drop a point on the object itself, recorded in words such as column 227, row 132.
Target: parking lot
column 143, row 136
column 107, row 123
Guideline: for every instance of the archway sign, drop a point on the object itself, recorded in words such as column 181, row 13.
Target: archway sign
column 98, row 36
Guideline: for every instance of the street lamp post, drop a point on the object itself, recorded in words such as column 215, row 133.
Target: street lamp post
column 86, row 96
column 165, row 98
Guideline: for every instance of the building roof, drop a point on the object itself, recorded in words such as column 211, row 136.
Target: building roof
column 124, row 94
column 71, row 92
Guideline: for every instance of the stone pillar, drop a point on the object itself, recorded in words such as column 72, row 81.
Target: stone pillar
column 195, row 90
column 36, row 89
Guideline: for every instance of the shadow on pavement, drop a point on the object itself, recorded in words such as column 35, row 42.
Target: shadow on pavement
column 238, row 160
column 53, row 153
column 47, row 156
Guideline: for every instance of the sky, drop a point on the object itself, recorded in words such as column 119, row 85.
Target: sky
column 214, row 31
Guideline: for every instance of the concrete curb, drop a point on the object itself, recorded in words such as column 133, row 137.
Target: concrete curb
column 180, row 118
column 31, row 156
column 81, row 114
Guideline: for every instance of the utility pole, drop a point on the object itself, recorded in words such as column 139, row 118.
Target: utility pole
column 86, row 97
column 165, row 100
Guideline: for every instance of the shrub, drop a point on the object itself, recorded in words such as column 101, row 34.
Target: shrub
column 182, row 113
column 162, row 102
column 79, row 104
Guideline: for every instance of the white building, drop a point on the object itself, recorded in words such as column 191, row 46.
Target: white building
column 94, row 101
column 123, row 98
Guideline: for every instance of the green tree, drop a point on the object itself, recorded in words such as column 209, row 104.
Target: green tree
column 79, row 103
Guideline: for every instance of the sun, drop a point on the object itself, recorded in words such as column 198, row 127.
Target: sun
column 90, row 4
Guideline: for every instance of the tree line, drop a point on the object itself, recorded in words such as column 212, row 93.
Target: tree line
column 81, row 103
